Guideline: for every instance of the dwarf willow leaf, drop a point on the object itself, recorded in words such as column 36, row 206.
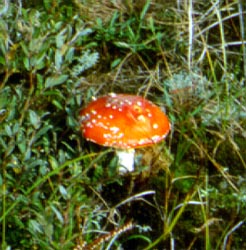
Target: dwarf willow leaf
column 35, row 226
column 8, row 130
column 57, row 213
column 55, row 80
column 34, row 119
column 58, row 59
column 63, row 192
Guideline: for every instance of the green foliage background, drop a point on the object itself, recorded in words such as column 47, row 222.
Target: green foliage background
column 57, row 190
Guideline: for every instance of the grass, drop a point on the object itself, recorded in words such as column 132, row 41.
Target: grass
column 59, row 191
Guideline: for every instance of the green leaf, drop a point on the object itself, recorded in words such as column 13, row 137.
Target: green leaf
column 116, row 62
column 63, row 192
column 145, row 9
column 35, row 226
column 2, row 60
column 34, row 119
column 86, row 32
column 60, row 39
column 55, row 80
column 43, row 131
column 53, row 162
column 40, row 61
column 26, row 62
column 58, row 214
column 8, row 130
column 58, row 104
column 58, row 59
column 122, row 45
column 69, row 55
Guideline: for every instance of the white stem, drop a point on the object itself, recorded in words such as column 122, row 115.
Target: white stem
column 126, row 160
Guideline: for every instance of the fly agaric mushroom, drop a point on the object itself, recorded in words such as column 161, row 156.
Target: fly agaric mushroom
column 124, row 122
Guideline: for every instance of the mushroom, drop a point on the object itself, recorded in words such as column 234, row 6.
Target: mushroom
column 124, row 122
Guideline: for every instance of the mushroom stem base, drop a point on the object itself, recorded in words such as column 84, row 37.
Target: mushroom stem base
column 125, row 160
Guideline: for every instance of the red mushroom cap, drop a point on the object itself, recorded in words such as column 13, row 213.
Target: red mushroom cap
column 123, row 121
